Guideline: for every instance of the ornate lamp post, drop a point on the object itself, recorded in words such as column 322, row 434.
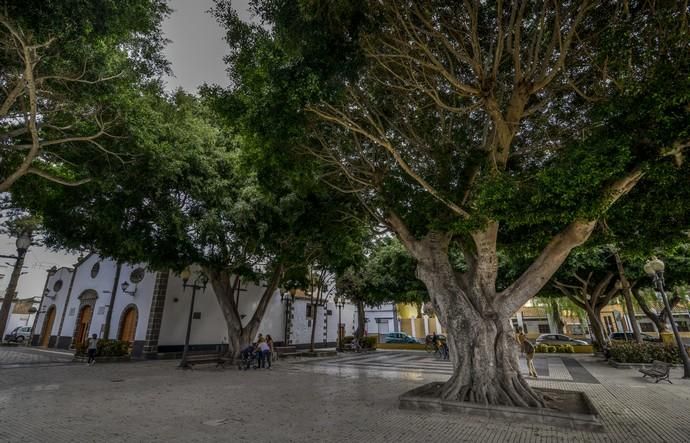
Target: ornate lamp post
column 655, row 269
column 200, row 283
column 23, row 242
column 340, row 302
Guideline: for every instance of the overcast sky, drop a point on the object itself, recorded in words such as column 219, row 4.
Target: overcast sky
column 197, row 47
column 196, row 54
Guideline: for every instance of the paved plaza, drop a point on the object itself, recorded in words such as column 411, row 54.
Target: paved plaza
column 347, row 398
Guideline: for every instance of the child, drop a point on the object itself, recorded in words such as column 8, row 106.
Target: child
column 91, row 350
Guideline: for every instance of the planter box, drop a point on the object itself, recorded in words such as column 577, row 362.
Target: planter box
column 109, row 359
column 584, row 418
column 619, row 365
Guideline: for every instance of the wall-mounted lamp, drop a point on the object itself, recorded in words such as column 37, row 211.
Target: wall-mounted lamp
column 125, row 287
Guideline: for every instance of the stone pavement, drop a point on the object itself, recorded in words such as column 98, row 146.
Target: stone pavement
column 297, row 401
column 21, row 356
column 424, row 365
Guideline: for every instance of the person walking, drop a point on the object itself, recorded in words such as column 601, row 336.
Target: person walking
column 528, row 349
column 91, row 349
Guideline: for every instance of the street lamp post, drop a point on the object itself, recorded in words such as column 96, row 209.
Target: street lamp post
column 23, row 243
column 655, row 269
column 340, row 302
column 200, row 283
column 289, row 299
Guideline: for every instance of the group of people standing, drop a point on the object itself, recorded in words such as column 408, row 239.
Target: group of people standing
column 262, row 351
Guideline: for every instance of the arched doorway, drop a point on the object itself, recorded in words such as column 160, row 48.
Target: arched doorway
column 83, row 324
column 47, row 326
column 128, row 324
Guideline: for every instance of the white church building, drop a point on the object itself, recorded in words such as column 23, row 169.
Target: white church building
column 151, row 310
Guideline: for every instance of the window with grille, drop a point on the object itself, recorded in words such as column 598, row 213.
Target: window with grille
column 544, row 329
column 309, row 313
column 682, row 326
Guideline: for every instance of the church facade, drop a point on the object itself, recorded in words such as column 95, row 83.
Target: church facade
column 151, row 309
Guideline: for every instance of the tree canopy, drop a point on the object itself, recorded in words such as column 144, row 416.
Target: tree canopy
column 66, row 67
column 476, row 127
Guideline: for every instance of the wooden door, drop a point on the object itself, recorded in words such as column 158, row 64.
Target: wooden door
column 47, row 326
column 129, row 325
column 84, row 323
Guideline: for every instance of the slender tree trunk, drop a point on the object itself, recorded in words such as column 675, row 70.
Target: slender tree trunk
column 361, row 320
column 659, row 320
column 10, row 292
column 314, row 308
column 627, row 296
column 556, row 316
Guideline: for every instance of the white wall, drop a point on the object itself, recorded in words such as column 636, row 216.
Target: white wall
column 53, row 298
column 102, row 284
column 142, row 300
column 384, row 314
column 211, row 328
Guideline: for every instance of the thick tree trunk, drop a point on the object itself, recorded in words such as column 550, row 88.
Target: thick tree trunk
column 597, row 328
column 225, row 287
column 482, row 344
column 361, row 319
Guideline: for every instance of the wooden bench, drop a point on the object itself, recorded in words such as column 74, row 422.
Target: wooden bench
column 201, row 359
column 659, row 371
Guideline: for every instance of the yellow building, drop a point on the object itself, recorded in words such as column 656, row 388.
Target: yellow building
column 535, row 320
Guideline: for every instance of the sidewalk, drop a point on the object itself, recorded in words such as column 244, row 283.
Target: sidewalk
column 152, row 401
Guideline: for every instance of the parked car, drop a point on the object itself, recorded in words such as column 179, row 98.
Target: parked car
column 19, row 334
column 629, row 336
column 398, row 337
column 558, row 339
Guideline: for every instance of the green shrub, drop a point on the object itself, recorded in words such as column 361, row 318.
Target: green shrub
column 632, row 352
column 106, row 348
column 552, row 349
column 565, row 349
column 541, row 348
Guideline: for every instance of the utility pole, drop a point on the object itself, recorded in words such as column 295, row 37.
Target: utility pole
column 23, row 243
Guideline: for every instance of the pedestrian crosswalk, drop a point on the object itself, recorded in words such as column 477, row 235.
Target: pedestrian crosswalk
column 411, row 363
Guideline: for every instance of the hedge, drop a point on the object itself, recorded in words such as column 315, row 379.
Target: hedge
column 106, row 348
column 633, row 352
column 565, row 349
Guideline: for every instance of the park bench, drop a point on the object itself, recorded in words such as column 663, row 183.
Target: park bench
column 201, row 359
column 659, row 371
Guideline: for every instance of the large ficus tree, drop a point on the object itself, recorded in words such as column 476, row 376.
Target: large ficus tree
column 64, row 65
column 458, row 123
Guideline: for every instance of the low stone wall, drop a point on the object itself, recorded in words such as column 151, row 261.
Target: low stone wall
column 424, row 398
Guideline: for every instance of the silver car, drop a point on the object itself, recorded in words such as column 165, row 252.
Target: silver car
column 558, row 339
column 20, row 334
